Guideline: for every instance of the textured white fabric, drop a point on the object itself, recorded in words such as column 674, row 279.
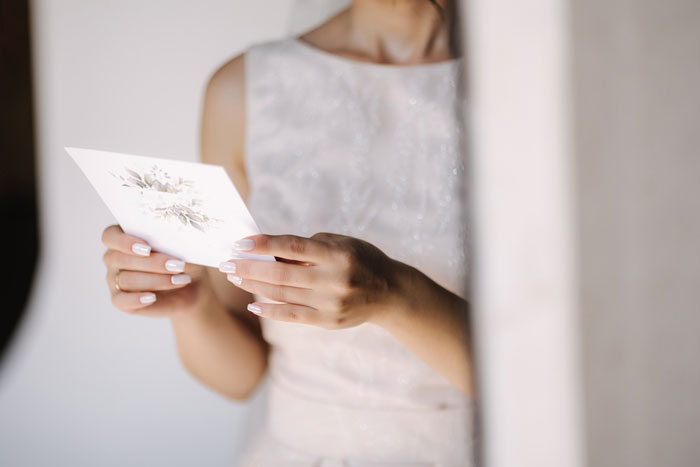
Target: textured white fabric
column 374, row 152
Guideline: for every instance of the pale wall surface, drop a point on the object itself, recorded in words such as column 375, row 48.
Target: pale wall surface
column 637, row 83
column 86, row 385
column 586, row 176
column 525, row 307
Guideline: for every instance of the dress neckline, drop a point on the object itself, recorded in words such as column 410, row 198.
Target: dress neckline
column 380, row 66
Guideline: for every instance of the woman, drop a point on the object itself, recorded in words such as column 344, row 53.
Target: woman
column 352, row 129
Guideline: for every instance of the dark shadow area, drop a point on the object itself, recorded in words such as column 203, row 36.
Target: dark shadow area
column 18, row 203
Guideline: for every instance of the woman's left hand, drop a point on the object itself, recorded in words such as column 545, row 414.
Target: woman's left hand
column 328, row 280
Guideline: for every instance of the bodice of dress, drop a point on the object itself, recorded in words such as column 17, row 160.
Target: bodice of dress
column 370, row 151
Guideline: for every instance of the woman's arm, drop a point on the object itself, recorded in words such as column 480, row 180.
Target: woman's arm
column 431, row 322
column 338, row 282
column 218, row 348
column 220, row 343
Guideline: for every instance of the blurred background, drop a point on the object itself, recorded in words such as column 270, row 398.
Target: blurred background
column 17, row 179
column 80, row 383
column 585, row 183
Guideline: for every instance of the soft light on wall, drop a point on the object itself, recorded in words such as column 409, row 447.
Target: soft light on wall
column 85, row 384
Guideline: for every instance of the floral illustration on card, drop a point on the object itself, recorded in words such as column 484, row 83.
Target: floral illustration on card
column 156, row 179
column 187, row 213
column 168, row 198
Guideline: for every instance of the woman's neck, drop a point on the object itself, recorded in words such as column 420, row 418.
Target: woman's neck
column 399, row 31
column 395, row 32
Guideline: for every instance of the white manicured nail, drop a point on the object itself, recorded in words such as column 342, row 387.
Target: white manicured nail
column 245, row 244
column 254, row 308
column 180, row 279
column 141, row 249
column 175, row 265
column 235, row 279
column 147, row 298
column 227, row 267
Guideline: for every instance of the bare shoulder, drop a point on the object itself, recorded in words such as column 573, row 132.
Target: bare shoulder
column 228, row 82
column 223, row 121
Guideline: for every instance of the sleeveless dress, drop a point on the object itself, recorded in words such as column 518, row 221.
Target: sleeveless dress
column 374, row 152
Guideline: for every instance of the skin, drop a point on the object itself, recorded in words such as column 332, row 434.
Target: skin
column 331, row 281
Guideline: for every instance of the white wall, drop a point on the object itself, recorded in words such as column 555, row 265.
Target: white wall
column 86, row 385
column 637, row 94
column 587, row 192
column 524, row 223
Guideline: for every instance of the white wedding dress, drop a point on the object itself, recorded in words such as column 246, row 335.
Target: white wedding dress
column 374, row 152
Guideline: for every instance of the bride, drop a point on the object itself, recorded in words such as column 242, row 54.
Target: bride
column 352, row 129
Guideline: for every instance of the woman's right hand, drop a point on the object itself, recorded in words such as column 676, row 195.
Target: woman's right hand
column 149, row 283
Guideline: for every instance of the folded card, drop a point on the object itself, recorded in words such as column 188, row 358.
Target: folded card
column 188, row 210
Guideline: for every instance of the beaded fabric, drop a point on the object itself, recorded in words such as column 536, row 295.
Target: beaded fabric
column 375, row 152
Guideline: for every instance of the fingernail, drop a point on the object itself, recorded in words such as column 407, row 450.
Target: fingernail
column 227, row 267
column 147, row 298
column 253, row 308
column 245, row 244
column 180, row 279
column 141, row 249
column 235, row 279
column 175, row 265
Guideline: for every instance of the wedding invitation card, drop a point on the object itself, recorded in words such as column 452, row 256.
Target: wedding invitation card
column 189, row 210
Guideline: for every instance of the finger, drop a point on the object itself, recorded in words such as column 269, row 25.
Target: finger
column 287, row 312
column 128, row 302
column 279, row 293
column 167, row 302
column 156, row 262
column 286, row 246
column 114, row 238
column 273, row 273
column 132, row 281
column 111, row 282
